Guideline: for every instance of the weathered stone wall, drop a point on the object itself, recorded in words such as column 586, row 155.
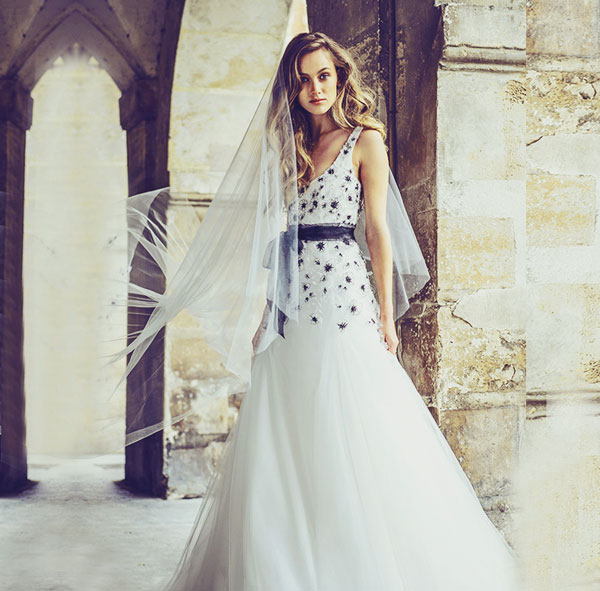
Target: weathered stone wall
column 224, row 62
column 481, row 242
column 517, row 246
column 563, row 172
column 560, row 465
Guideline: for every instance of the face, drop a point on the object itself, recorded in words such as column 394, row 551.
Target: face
column 318, row 80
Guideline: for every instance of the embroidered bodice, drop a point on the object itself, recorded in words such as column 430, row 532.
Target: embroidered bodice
column 334, row 197
column 334, row 281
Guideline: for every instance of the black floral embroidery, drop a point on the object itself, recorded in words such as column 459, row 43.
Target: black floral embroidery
column 335, row 198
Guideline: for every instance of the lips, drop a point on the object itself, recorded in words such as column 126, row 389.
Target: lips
column 316, row 102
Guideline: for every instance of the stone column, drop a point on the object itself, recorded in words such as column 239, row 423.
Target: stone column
column 147, row 170
column 16, row 108
column 481, row 241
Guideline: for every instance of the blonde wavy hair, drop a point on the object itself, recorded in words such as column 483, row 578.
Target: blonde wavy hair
column 353, row 106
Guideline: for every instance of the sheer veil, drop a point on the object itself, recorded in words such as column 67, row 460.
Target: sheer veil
column 237, row 277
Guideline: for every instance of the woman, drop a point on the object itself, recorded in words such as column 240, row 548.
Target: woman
column 335, row 475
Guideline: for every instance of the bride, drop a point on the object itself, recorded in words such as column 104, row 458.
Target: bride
column 335, row 476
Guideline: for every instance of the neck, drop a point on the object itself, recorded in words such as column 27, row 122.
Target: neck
column 321, row 124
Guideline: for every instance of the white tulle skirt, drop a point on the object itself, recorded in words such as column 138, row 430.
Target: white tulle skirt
column 336, row 477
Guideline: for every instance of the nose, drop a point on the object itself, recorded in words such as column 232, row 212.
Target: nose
column 315, row 89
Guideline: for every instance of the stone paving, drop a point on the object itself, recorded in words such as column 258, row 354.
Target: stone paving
column 77, row 530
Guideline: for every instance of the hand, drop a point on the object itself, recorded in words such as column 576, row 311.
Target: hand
column 390, row 335
column 261, row 329
column 256, row 337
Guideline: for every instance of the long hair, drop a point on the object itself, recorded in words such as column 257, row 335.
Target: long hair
column 353, row 106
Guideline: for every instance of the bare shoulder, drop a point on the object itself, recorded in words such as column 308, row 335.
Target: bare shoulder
column 371, row 155
column 370, row 138
column 371, row 147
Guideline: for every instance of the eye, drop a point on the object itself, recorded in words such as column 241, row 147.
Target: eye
column 325, row 74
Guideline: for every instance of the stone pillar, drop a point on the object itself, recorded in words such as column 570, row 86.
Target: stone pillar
column 147, row 170
column 481, row 243
column 16, row 108
column 209, row 117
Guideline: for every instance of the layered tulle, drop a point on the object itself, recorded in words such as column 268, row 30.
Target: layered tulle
column 336, row 477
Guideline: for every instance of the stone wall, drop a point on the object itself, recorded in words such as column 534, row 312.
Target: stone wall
column 517, row 269
column 559, row 534
column 563, row 168
column 481, row 243
column 224, row 62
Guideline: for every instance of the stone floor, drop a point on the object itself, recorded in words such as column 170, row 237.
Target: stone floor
column 77, row 530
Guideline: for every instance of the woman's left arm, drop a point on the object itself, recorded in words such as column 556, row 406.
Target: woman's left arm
column 374, row 171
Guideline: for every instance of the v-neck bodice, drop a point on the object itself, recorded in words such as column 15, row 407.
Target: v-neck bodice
column 334, row 197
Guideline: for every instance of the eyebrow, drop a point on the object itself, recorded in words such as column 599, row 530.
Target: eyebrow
column 325, row 68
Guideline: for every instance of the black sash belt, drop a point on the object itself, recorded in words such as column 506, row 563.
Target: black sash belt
column 289, row 246
column 324, row 232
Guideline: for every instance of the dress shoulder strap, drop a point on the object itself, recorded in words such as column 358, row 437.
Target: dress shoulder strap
column 355, row 133
column 349, row 145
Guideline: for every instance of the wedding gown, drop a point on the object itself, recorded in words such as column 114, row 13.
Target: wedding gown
column 335, row 476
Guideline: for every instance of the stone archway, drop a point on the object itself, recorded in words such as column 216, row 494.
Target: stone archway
column 136, row 45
